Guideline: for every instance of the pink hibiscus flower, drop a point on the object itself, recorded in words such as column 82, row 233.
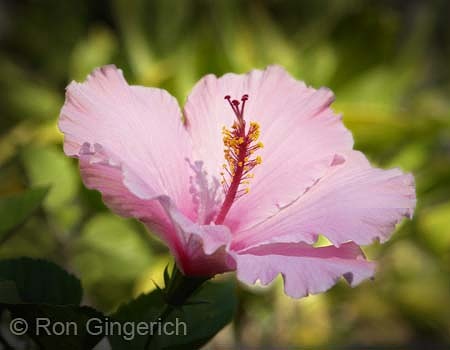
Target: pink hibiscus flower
column 258, row 167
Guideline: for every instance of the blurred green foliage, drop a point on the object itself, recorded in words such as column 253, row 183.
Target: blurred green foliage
column 388, row 63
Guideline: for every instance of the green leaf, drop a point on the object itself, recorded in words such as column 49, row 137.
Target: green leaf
column 66, row 327
column 205, row 314
column 110, row 255
column 15, row 209
column 8, row 293
column 48, row 299
column 95, row 50
column 39, row 281
column 47, row 165
column 434, row 223
column 27, row 97
column 166, row 275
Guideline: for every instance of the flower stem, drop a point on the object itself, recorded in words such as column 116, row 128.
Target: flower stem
column 176, row 293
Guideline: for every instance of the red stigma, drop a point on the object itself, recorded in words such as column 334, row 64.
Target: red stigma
column 239, row 112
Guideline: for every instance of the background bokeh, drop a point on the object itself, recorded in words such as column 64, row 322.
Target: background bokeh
column 388, row 63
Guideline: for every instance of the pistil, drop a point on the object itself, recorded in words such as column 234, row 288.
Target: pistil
column 240, row 146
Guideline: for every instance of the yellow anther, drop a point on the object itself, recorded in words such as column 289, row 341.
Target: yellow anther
column 239, row 146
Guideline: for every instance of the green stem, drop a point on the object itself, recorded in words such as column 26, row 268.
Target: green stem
column 176, row 294
column 181, row 287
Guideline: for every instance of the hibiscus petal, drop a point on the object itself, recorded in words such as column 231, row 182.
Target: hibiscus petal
column 100, row 172
column 353, row 202
column 305, row 270
column 140, row 127
column 198, row 249
column 133, row 148
column 203, row 247
column 300, row 133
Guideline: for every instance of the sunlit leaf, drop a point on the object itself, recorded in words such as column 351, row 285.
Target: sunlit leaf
column 110, row 255
column 24, row 96
column 435, row 222
column 96, row 50
column 15, row 209
column 47, row 165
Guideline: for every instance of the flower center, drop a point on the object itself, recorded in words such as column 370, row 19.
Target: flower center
column 240, row 145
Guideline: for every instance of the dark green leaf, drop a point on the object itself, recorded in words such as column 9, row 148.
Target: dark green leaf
column 166, row 275
column 55, row 327
column 15, row 209
column 41, row 282
column 47, row 298
column 8, row 293
column 203, row 320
